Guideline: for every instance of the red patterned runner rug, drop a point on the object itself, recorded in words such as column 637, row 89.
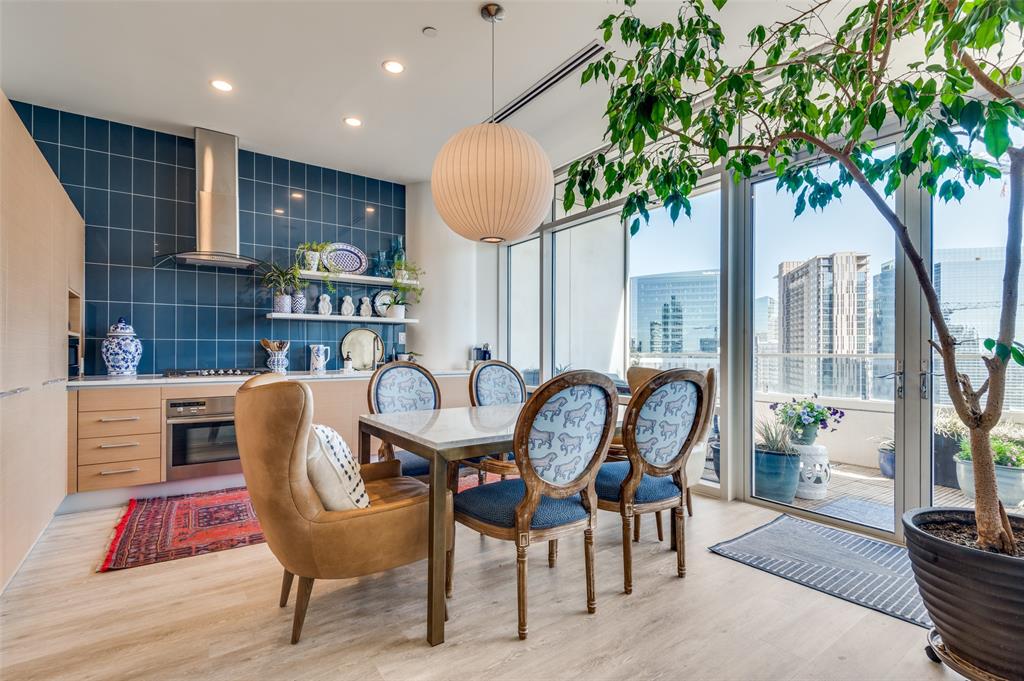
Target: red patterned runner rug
column 167, row 528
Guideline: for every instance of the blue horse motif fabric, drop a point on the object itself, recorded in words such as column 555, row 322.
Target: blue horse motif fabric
column 566, row 432
column 665, row 421
column 496, row 384
column 404, row 389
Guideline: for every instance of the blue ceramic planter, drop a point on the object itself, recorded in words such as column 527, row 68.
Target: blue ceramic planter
column 776, row 476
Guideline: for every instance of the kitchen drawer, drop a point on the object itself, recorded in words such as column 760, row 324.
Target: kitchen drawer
column 118, row 422
column 119, row 474
column 105, row 399
column 118, row 448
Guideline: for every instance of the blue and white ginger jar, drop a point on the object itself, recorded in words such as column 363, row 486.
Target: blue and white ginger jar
column 122, row 350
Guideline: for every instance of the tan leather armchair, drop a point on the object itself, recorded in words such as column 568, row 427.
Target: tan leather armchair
column 273, row 419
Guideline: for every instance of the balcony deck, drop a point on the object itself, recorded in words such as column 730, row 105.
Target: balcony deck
column 862, row 484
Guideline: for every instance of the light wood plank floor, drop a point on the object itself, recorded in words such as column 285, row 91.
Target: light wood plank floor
column 216, row 616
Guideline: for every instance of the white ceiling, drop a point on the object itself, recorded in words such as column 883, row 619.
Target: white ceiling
column 299, row 67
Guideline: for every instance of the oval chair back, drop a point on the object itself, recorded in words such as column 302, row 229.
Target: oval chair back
column 562, row 437
column 495, row 382
column 665, row 418
column 402, row 386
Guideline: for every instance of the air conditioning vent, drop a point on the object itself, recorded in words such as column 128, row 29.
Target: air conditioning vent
column 591, row 51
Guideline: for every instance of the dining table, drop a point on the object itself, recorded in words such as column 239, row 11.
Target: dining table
column 443, row 436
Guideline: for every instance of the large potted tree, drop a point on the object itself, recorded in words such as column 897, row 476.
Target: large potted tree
column 815, row 88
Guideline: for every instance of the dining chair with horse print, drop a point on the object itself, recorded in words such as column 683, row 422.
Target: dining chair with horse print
column 399, row 387
column 665, row 418
column 561, row 438
column 495, row 382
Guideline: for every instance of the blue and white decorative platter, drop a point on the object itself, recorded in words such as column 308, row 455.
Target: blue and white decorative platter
column 340, row 257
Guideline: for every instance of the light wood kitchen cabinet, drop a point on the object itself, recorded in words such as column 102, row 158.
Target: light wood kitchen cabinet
column 40, row 233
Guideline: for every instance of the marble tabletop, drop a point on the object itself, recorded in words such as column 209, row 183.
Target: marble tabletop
column 455, row 427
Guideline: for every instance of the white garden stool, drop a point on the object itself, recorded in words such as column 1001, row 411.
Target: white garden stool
column 815, row 472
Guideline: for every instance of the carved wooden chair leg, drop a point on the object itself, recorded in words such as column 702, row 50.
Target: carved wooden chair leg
column 286, row 587
column 552, row 552
column 661, row 532
column 677, row 521
column 689, row 503
column 521, row 587
column 636, row 527
column 301, row 603
column 588, row 552
column 449, row 571
column 627, row 553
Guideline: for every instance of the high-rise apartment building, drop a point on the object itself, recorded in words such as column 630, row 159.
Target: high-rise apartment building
column 674, row 313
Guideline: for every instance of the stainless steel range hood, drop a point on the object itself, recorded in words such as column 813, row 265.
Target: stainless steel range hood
column 217, row 242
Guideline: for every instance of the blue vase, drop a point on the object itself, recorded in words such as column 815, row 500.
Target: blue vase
column 121, row 349
column 776, row 475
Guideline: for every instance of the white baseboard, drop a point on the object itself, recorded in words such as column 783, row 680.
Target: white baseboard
column 108, row 498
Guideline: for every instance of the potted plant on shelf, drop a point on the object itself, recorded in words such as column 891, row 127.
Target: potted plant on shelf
column 284, row 282
column 309, row 254
column 407, row 290
column 678, row 108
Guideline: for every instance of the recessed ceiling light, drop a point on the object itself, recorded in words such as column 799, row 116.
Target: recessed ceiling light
column 353, row 121
column 371, row 209
column 279, row 211
column 296, row 195
column 392, row 66
column 222, row 85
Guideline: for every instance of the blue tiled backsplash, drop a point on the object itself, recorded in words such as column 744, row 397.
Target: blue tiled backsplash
column 136, row 189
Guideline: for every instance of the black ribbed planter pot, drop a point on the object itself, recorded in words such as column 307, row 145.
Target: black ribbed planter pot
column 975, row 598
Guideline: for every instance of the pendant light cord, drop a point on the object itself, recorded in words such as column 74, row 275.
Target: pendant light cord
column 492, row 70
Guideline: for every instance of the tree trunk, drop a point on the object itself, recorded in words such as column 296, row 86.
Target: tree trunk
column 988, row 512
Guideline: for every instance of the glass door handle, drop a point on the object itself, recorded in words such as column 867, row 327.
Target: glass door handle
column 898, row 376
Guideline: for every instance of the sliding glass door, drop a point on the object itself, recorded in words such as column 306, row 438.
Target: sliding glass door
column 826, row 366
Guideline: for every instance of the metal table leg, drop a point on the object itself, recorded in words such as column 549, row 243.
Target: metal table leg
column 436, row 550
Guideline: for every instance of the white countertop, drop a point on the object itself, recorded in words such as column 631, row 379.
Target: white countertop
column 159, row 380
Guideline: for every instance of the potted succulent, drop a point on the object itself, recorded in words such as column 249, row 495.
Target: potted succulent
column 1008, row 455
column 804, row 95
column 284, row 282
column 407, row 290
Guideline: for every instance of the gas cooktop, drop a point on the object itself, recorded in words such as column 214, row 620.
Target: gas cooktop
column 205, row 373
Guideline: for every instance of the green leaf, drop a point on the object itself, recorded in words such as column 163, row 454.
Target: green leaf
column 1017, row 355
column 970, row 116
column 997, row 137
column 719, row 4
column 989, row 343
column 876, row 116
column 1002, row 352
column 634, row 227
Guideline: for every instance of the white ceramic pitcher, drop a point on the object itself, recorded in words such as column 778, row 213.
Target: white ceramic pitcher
column 319, row 355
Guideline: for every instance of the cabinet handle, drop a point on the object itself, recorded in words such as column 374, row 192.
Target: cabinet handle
column 15, row 391
column 54, row 380
column 113, row 419
column 118, row 445
column 133, row 469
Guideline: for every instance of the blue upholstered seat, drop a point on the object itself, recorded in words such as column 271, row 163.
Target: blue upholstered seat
column 651, row 488
column 496, row 502
column 412, row 465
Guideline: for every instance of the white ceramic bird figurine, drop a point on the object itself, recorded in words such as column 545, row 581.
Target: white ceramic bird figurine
column 348, row 308
column 364, row 307
column 324, row 306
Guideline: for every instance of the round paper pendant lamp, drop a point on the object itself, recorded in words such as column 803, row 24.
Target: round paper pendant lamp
column 492, row 183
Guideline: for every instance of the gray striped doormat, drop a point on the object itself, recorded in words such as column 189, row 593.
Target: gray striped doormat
column 864, row 571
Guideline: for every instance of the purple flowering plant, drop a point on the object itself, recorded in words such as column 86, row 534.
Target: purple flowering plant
column 802, row 415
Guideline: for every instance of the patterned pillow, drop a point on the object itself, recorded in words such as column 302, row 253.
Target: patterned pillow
column 404, row 389
column 665, row 421
column 333, row 471
column 495, row 384
column 566, row 432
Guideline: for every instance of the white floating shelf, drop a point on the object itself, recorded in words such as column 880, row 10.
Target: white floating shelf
column 339, row 318
column 347, row 278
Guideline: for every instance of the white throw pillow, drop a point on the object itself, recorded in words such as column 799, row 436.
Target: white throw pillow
column 333, row 471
